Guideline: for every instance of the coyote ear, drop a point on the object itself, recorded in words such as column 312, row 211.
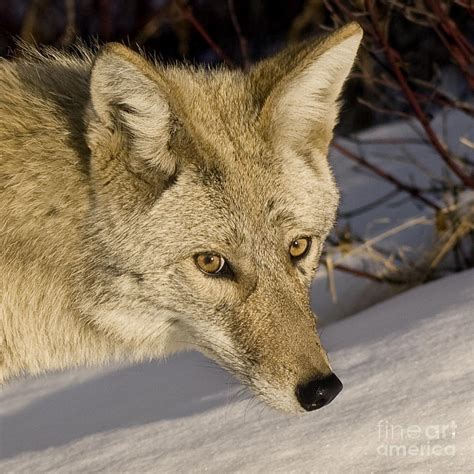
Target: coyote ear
column 304, row 100
column 127, row 93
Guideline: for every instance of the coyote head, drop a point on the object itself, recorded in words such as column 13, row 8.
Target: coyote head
column 211, row 199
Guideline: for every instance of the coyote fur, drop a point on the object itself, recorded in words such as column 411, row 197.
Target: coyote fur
column 148, row 209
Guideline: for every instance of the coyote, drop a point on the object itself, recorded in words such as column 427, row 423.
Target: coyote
column 148, row 209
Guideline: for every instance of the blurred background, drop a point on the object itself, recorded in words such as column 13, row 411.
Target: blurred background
column 239, row 32
column 404, row 151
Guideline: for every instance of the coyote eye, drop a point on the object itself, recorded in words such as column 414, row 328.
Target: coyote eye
column 211, row 263
column 299, row 247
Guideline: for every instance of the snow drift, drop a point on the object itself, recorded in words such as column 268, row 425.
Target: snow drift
column 407, row 405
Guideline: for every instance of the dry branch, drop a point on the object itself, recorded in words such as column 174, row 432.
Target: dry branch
column 412, row 190
column 395, row 60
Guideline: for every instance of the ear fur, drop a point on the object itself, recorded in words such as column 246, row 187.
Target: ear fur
column 311, row 82
column 128, row 93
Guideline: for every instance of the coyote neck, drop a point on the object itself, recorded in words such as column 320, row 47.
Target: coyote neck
column 50, row 334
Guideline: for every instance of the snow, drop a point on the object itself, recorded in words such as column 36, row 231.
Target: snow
column 407, row 405
column 406, row 364
column 412, row 161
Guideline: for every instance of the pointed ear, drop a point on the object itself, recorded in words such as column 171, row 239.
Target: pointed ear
column 304, row 100
column 129, row 95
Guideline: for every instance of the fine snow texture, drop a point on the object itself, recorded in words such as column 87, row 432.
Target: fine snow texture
column 407, row 367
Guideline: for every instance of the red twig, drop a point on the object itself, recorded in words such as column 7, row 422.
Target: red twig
column 394, row 60
column 412, row 190
column 455, row 42
column 358, row 273
column 467, row 4
column 242, row 40
column 364, row 274
column 458, row 56
column 436, row 95
column 450, row 27
column 188, row 14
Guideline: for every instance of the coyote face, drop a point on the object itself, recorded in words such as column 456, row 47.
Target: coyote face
column 210, row 200
column 231, row 201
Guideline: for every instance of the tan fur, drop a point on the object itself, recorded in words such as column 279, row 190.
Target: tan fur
column 115, row 172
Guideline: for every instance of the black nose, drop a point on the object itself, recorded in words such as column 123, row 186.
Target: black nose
column 318, row 392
